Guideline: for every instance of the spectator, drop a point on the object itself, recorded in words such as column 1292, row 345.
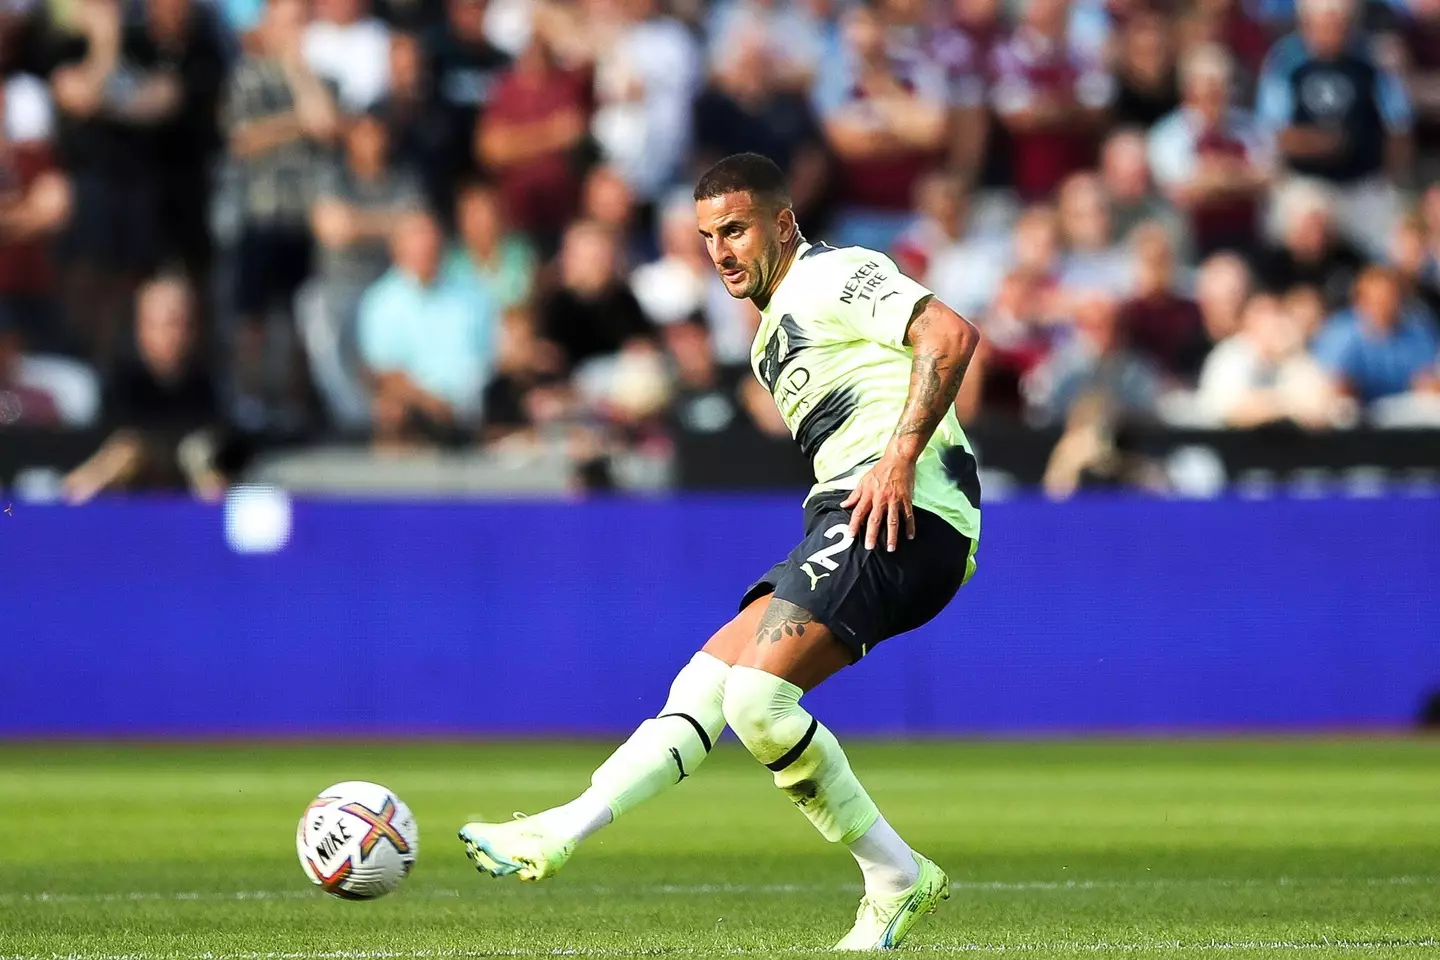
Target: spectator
column 1145, row 71
column 1222, row 286
column 1211, row 159
column 1092, row 258
column 885, row 123
column 21, row 403
column 35, row 202
column 1229, row 25
column 109, row 108
column 1017, row 339
column 467, row 70
column 593, row 315
column 349, row 48
column 907, row 24
column 1097, row 451
column 939, row 225
column 278, row 115
column 1261, row 374
column 502, row 260
column 607, row 199
column 1339, row 117
column 748, row 108
column 1381, row 346
column 969, row 274
column 646, row 80
column 1307, row 308
column 1092, row 26
column 682, row 286
column 419, row 123
column 185, row 40
column 1095, row 360
column 161, row 404
column 1410, row 256
column 788, row 36
column 526, row 394
column 963, row 47
column 427, row 336
column 1309, row 252
column 359, row 202
column 1415, row 43
column 707, row 398
column 529, row 136
column 1050, row 97
column 1035, row 243
column 1430, row 215
column 1159, row 324
column 1125, row 175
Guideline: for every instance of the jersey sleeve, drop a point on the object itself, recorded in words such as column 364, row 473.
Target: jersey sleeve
column 872, row 299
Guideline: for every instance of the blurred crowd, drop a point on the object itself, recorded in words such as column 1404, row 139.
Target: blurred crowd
column 465, row 223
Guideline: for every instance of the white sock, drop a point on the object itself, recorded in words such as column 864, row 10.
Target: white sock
column 580, row 817
column 887, row 861
column 661, row 752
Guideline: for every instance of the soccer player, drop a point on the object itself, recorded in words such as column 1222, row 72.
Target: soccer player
column 864, row 365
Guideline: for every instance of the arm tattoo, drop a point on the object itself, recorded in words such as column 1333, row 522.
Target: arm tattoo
column 935, row 376
column 782, row 619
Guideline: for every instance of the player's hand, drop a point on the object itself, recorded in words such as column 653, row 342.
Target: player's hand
column 884, row 498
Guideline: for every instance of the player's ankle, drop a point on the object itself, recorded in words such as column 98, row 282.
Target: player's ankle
column 578, row 819
column 886, row 861
column 889, row 880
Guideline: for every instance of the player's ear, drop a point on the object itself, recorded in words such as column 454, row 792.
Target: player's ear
column 786, row 226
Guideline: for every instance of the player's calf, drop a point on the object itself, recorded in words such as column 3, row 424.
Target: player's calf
column 804, row 756
column 811, row 768
column 662, row 751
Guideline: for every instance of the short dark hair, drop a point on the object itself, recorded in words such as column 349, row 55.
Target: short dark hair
column 745, row 173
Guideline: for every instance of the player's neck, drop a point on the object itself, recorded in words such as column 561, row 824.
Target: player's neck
column 787, row 257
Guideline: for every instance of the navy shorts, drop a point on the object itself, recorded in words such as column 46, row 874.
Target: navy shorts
column 866, row 596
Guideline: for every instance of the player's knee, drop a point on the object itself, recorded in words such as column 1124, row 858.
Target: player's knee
column 698, row 692
column 762, row 709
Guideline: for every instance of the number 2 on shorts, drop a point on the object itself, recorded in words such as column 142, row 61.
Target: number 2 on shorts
column 822, row 559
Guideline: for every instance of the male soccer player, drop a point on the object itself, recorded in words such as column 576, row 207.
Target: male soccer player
column 864, row 365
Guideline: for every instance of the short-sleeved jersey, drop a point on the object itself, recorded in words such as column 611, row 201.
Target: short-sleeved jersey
column 831, row 350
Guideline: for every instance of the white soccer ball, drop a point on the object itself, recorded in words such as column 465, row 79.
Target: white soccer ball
column 357, row 840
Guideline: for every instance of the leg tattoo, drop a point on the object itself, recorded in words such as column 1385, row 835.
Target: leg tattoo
column 782, row 619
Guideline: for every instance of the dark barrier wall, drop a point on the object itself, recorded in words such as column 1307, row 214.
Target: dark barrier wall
column 139, row 619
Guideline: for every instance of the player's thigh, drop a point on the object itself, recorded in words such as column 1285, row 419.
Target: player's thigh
column 791, row 643
column 833, row 601
column 730, row 641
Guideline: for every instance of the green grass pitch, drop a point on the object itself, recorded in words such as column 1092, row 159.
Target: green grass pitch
column 1167, row 849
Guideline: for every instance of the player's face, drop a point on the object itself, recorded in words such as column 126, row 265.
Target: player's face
column 745, row 240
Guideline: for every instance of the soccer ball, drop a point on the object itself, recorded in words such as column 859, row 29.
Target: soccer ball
column 357, row 840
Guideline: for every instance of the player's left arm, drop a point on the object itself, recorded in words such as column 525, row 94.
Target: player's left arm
column 943, row 343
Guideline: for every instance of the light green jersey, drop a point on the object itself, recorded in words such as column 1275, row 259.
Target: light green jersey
column 831, row 351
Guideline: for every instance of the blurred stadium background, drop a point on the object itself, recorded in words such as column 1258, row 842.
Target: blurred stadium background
column 376, row 342
column 302, row 298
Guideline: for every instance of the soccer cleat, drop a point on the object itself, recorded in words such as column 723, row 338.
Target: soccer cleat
column 882, row 923
column 521, row 846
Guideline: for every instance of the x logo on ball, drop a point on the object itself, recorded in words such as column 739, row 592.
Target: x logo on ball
column 380, row 826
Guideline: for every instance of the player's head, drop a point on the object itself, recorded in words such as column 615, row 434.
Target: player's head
column 743, row 208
